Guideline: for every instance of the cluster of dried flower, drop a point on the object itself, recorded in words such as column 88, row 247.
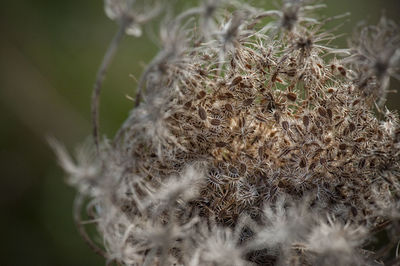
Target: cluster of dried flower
column 247, row 147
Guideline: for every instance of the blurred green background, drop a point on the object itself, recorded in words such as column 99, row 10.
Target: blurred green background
column 50, row 52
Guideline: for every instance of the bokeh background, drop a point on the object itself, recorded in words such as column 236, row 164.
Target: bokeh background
column 49, row 54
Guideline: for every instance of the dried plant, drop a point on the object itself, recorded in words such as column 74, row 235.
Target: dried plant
column 248, row 144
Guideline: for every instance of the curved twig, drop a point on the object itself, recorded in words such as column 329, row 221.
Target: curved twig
column 109, row 55
column 78, row 203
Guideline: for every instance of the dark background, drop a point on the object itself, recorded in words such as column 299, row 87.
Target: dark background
column 49, row 54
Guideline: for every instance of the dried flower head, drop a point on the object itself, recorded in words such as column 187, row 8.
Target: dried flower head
column 246, row 146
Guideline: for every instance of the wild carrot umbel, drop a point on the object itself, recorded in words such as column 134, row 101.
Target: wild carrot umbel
column 248, row 146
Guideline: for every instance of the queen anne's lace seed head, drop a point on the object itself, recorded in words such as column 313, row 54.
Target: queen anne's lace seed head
column 247, row 146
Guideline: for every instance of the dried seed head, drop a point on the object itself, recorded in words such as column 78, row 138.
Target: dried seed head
column 273, row 130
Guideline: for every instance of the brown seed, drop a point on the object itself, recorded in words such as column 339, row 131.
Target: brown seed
column 306, row 121
column 277, row 117
column 201, row 95
column 282, row 184
column 236, row 81
column 342, row 71
column 220, row 144
column 360, row 139
column 330, row 114
column 356, row 101
column 228, row 107
column 291, row 96
column 215, row 122
column 188, row 104
column 202, row 72
column 233, row 64
column 228, row 95
column 242, row 167
column 322, row 111
column 352, row 127
column 342, row 146
column 202, row 113
column 274, row 76
column 303, row 163
column 314, row 130
column 331, row 90
column 248, row 102
column 285, row 125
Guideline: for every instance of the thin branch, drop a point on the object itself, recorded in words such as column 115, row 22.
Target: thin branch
column 109, row 55
column 78, row 203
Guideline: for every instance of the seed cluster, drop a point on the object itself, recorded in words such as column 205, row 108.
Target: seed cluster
column 273, row 124
column 247, row 145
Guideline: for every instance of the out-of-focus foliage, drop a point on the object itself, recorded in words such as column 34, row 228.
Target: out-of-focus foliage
column 50, row 51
